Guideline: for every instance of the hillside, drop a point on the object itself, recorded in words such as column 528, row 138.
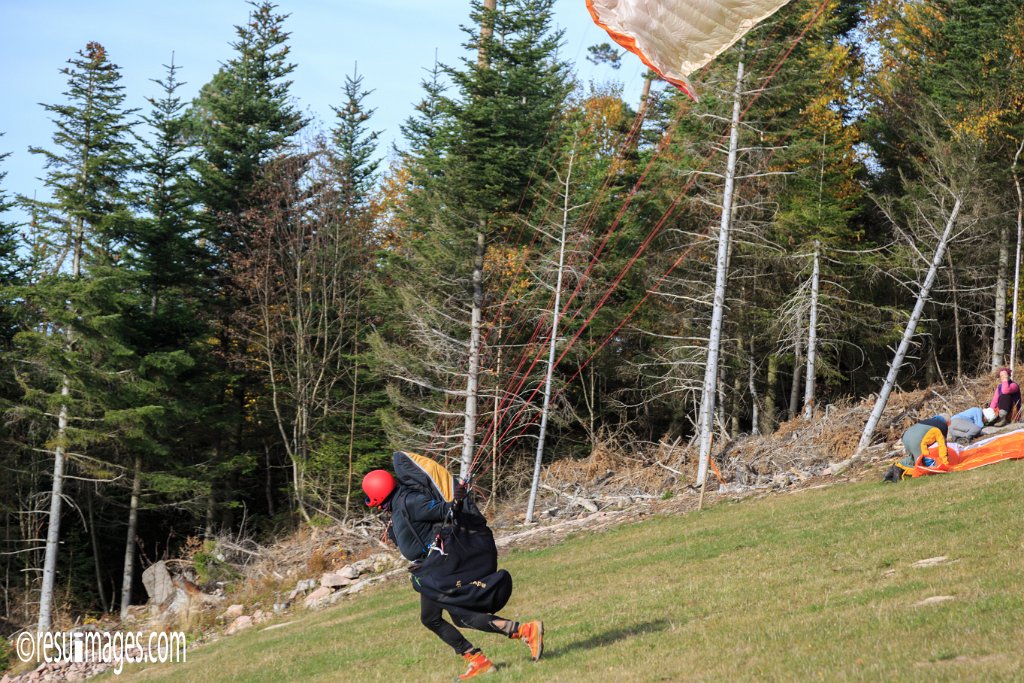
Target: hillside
column 619, row 534
column 868, row 581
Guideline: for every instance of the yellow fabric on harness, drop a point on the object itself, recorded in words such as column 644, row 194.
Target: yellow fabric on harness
column 934, row 436
column 439, row 475
column 904, row 470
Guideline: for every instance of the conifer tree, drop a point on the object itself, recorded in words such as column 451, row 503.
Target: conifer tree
column 244, row 117
column 11, row 266
column 242, row 120
column 75, row 340
column 505, row 108
column 13, row 458
column 164, row 321
column 354, row 171
column 353, row 148
column 425, row 138
column 165, row 241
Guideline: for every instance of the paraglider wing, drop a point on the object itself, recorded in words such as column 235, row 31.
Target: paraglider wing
column 677, row 37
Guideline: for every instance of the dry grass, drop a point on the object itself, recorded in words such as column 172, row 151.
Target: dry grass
column 799, row 450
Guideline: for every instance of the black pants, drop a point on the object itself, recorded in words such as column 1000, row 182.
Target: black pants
column 430, row 616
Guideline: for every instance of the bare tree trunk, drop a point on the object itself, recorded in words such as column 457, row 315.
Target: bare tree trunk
column 486, row 32
column 555, row 312
column 1016, row 263
column 268, row 482
column 718, row 305
column 53, row 527
column 355, row 395
column 645, row 93
column 473, row 376
column 736, row 396
column 938, row 373
column 96, row 554
column 589, row 394
column 129, row 547
column 298, row 484
column 8, row 533
column 956, row 318
column 496, row 420
column 592, row 405
column 812, row 335
column 999, row 328
column 908, row 334
column 57, row 490
column 798, row 361
column 734, row 404
column 931, row 362
column 768, row 423
column 720, row 410
column 755, row 417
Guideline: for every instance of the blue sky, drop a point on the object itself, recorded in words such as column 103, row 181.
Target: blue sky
column 391, row 41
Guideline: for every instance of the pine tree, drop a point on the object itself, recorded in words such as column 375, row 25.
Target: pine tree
column 353, row 148
column 510, row 95
column 15, row 458
column 11, row 266
column 242, row 120
column 506, row 107
column 164, row 325
column 74, row 343
column 164, row 244
column 354, row 171
column 425, row 136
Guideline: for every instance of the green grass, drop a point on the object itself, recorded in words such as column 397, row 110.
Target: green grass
column 813, row 586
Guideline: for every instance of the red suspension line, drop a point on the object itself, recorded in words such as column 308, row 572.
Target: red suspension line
column 657, row 229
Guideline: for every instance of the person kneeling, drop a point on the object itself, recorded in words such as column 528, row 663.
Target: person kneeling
column 917, row 441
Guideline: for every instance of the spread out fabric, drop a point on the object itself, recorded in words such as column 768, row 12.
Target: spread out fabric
column 677, row 37
column 1007, row 446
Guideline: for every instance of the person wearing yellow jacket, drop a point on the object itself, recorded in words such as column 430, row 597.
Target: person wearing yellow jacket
column 919, row 438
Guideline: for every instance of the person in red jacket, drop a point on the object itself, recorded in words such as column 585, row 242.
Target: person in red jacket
column 1005, row 399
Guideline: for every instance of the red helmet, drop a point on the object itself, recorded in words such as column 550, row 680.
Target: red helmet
column 377, row 485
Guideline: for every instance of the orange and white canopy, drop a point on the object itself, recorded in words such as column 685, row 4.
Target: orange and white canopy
column 1006, row 446
column 677, row 37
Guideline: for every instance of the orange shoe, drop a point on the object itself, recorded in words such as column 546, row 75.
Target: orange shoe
column 478, row 664
column 533, row 633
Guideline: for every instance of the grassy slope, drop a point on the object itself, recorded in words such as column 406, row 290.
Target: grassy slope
column 817, row 585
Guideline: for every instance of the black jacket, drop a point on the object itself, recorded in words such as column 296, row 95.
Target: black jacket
column 418, row 508
column 416, row 519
